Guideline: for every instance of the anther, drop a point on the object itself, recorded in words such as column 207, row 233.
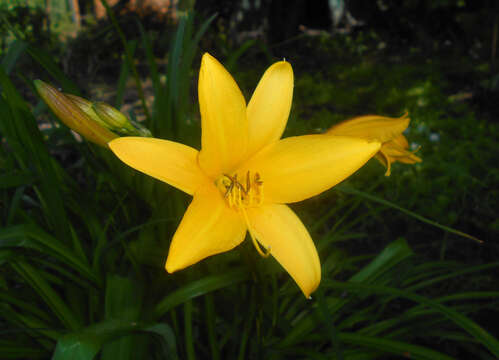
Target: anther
column 242, row 194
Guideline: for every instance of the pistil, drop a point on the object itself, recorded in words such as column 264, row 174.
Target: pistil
column 239, row 197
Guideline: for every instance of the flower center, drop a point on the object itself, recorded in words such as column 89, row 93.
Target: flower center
column 240, row 195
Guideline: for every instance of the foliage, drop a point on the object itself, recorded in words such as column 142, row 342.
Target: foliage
column 28, row 21
column 83, row 238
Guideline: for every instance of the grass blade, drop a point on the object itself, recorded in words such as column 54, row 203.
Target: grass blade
column 47, row 293
column 16, row 49
column 33, row 237
column 392, row 255
column 24, row 133
column 350, row 190
column 124, row 73
column 10, row 350
column 129, row 59
column 395, row 347
column 198, row 288
column 489, row 341
column 85, row 344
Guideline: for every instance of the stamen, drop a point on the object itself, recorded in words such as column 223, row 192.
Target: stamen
column 247, row 182
column 239, row 197
column 266, row 251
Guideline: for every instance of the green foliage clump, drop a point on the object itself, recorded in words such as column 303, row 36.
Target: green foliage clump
column 83, row 238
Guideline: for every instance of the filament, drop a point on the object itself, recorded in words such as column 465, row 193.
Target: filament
column 264, row 253
column 239, row 197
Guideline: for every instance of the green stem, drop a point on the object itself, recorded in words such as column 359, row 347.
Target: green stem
column 189, row 342
column 210, row 326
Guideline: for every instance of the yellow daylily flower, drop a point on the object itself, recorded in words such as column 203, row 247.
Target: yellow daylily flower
column 244, row 175
column 386, row 130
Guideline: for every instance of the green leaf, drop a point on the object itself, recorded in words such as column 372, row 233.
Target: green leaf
column 47, row 61
column 188, row 338
column 231, row 62
column 123, row 302
column 13, row 350
column 153, row 68
column 7, row 298
column 20, row 128
column 165, row 333
column 33, row 237
column 402, row 349
column 128, row 58
column 198, row 288
column 16, row 49
column 210, row 326
column 465, row 323
column 350, row 190
column 124, row 74
column 392, row 255
column 34, row 278
column 85, row 344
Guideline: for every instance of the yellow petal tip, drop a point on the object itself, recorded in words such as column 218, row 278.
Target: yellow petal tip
column 207, row 58
column 170, row 268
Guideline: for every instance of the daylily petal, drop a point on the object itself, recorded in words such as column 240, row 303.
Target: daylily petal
column 296, row 168
column 396, row 150
column 399, row 141
column 277, row 226
column 385, row 160
column 223, row 119
column 371, row 127
column 409, row 158
column 268, row 109
column 168, row 161
column 208, row 227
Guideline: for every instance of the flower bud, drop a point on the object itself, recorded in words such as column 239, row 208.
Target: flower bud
column 87, row 107
column 72, row 115
column 114, row 118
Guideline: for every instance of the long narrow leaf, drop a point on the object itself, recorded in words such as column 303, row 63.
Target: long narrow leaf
column 394, row 347
column 198, row 288
column 24, row 131
column 85, row 344
column 47, row 293
column 392, row 255
column 465, row 323
column 16, row 49
column 128, row 57
column 31, row 236
column 350, row 190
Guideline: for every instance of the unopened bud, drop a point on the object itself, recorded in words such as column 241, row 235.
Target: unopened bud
column 87, row 107
column 72, row 115
column 114, row 118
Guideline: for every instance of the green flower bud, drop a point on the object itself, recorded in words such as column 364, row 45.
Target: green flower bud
column 72, row 115
column 114, row 118
column 87, row 107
